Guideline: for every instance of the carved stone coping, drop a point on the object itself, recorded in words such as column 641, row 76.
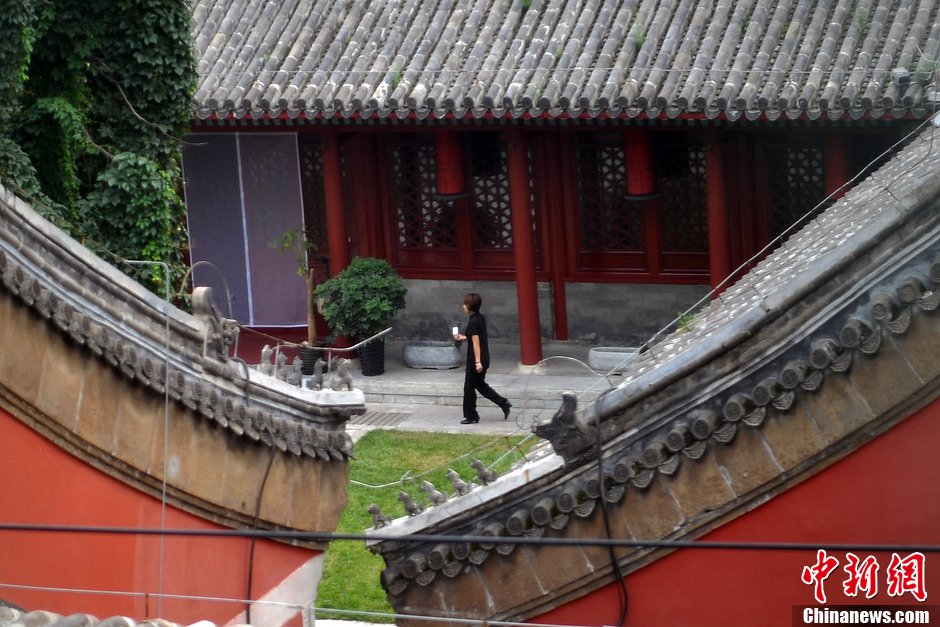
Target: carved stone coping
column 878, row 270
column 162, row 348
column 635, row 460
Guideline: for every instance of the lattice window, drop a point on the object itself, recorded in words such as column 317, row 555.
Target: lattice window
column 424, row 219
column 314, row 198
column 681, row 186
column 490, row 194
column 797, row 182
column 609, row 222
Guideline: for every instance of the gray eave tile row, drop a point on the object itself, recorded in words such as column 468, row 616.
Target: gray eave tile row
column 760, row 59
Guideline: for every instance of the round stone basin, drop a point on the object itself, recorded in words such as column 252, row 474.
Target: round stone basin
column 430, row 354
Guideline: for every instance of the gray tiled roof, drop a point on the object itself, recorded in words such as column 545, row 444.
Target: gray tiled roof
column 512, row 58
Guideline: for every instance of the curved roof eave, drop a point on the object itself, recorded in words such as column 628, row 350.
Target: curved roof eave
column 301, row 117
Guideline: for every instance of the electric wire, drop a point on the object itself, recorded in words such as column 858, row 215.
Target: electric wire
column 707, row 297
column 609, row 542
column 413, row 476
column 623, row 596
column 372, row 537
column 255, row 521
column 778, row 240
column 622, row 590
column 606, row 377
column 166, row 416
column 378, row 536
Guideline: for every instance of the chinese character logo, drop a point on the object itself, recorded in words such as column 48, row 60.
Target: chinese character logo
column 903, row 575
column 862, row 576
column 907, row 575
column 817, row 574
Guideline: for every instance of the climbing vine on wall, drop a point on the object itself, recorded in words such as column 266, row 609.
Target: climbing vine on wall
column 16, row 26
column 17, row 34
column 94, row 98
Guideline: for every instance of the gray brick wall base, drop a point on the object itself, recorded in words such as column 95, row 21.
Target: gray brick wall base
column 598, row 313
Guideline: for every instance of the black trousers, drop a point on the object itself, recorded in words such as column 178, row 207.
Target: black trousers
column 476, row 382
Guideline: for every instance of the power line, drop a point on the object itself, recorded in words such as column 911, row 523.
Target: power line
column 326, row 536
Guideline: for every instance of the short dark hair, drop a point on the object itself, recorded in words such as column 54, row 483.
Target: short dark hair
column 473, row 302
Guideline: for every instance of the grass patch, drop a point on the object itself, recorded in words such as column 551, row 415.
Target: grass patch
column 388, row 462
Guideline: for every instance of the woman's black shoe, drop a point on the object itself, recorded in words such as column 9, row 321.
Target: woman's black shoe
column 469, row 421
column 506, row 410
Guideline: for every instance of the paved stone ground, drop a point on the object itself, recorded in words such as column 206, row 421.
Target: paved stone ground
column 431, row 400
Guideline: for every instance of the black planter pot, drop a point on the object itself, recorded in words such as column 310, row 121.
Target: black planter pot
column 309, row 355
column 372, row 358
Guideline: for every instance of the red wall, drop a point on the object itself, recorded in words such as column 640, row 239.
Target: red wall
column 40, row 484
column 885, row 493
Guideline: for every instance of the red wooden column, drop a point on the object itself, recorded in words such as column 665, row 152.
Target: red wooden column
column 719, row 255
column 835, row 165
column 337, row 238
column 555, row 196
column 641, row 186
column 530, row 335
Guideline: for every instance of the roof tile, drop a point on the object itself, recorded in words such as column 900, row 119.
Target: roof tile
column 547, row 58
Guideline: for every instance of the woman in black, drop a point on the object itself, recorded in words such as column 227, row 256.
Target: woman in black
column 478, row 362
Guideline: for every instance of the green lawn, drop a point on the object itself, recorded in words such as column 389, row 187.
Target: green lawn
column 387, row 462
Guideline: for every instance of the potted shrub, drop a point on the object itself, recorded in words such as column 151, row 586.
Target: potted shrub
column 299, row 242
column 359, row 302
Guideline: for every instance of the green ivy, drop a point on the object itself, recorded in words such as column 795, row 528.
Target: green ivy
column 144, row 78
column 136, row 214
column 18, row 173
column 52, row 131
column 17, row 28
column 94, row 98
